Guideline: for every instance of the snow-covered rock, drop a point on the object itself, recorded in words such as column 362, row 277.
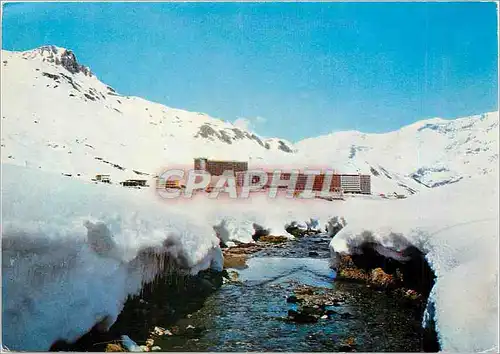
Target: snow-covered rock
column 229, row 229
column 334, row 225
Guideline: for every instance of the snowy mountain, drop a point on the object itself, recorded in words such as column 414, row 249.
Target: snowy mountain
column 431, row 152
column 57, row 116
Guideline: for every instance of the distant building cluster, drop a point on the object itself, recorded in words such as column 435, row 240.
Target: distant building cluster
column 346, row 183
column 127, row 183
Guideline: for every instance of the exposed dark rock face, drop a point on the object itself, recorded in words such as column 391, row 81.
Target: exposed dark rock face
column 64, row 57
column 229, row 135
column 354, row 149
column 300, row 232
column 302, row 316
column 410, row 190
column 86, row 342
column 411, row 272
column 273, row 239
column 374, row 171
column 52, row 76
column 206, row 131
column 385, row 172
column 283, row 147
column 225, row 137
column 255, row 137
column 74, row 84
column 259, row 232
column 421, row 173
column 408, row 276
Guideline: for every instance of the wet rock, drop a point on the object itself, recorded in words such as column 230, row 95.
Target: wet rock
column 237, row 261
column 245, row 248
column 376, row 277
column 292, row 299
column 295, row 231
column 273, row 239
column 230, row 276
column 318, row 297
column 348, row 345
column 192, row 332
column 234, row 276
column 313, row 253
column 381, row 278
column 330, row 313
column 408, row 268
column 410, row 294
column 150, row 342
column 346, row 315
column 304, row 290
column 312, row 311
column 160, row 331
column 301, row 317
column 314, row 302
column 113, row 347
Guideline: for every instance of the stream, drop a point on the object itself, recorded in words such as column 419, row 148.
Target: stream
column 251, row 314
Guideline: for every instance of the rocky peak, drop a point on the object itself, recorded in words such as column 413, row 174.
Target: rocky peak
column 60, row 56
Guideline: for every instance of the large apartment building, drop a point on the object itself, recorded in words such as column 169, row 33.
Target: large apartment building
column 347, row 183
column 217, row 168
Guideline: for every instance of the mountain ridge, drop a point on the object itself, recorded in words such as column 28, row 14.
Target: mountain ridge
column 57, row 115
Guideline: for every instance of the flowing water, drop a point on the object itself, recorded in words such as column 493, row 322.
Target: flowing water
column 252, row 315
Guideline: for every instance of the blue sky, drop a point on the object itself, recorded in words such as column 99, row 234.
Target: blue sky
column 292, row 70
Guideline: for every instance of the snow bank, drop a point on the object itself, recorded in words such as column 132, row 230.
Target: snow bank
column 72, row 253
column 456, row 227
column 231, row 229
column 237, row 220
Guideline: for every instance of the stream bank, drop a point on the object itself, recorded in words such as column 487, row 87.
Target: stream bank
column 283, row 296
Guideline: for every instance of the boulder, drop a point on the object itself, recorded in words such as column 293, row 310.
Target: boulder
column 237, row 261
column 301, row 317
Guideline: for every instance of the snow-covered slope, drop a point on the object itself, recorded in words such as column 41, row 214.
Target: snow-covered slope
column 432, row 152
column 57, row 116
column 456, row 227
